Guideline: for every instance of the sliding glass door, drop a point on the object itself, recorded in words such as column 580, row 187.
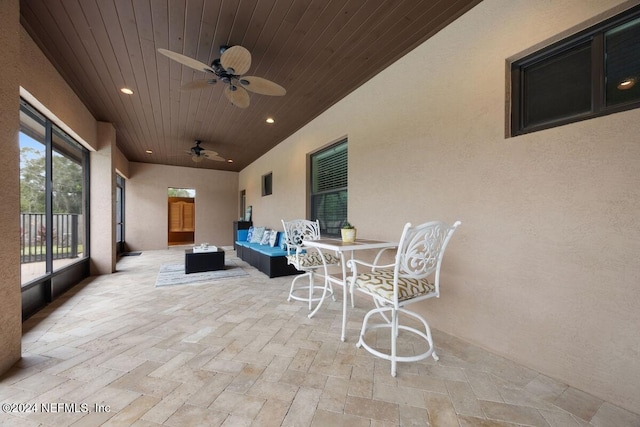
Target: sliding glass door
column 120, row 185
column 53, row 208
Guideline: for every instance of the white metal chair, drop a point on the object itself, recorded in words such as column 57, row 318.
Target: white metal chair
column 414, row 276
column 307, row 260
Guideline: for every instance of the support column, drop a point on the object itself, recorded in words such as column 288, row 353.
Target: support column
column 10, row 292
column 103, row 204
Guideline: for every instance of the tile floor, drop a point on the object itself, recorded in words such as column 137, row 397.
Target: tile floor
column 118, row 351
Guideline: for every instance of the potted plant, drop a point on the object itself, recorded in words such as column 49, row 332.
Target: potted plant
column 348, row 232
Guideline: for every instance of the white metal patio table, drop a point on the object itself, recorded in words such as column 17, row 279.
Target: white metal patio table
column 341, row 248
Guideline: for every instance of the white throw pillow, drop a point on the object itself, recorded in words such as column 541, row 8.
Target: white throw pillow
column 258, row 232
column 265, row 237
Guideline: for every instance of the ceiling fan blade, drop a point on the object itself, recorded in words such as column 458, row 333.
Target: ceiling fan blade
column 238, row 97
column 209, row 152
column 198, row 84
column 262, row 86
column 236, row 60
column 185, row 60
column 214, row 157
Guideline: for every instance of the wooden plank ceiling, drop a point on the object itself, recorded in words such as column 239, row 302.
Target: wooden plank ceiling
column 319, row 50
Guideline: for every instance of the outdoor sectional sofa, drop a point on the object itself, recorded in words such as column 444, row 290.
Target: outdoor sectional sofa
column 266, row 255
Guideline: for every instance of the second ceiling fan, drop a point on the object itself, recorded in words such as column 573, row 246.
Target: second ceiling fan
column 230, row 68
column 198, row 153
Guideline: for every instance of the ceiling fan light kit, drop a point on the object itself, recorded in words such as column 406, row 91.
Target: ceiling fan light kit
column 230, row 68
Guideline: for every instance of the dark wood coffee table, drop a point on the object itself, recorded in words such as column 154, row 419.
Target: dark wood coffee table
column 196, row 262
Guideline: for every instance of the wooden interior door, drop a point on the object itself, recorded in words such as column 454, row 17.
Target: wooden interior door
column 182, row 220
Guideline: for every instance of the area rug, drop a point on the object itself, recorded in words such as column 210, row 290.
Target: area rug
column 173, row 274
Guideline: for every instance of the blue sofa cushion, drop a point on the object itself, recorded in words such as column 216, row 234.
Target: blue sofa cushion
column 242, row 235
column 254, row 246
column 269, row 251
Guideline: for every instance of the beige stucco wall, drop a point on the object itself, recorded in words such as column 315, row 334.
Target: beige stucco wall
column 121, row 163
column 10, row 309
column 103, row 201
column 544, row 268
column 43, row 87
column 146, row 216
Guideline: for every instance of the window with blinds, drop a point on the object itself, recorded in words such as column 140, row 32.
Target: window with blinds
column 589, row 74
column 329, row 188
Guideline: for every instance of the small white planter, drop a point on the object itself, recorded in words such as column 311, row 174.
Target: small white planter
column 348, row 235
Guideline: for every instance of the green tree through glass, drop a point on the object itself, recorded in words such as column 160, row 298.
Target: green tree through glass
column 67, row 183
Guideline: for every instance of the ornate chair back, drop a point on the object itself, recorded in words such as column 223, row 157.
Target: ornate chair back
column 420, row 252
column 298, row 230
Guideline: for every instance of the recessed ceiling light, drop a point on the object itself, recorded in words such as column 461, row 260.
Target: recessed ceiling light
column 230, row 161
column 270, row 120
column 627, row 83
column 126, row 90
column 149, row 151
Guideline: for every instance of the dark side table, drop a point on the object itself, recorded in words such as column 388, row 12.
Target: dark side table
column 196, row 262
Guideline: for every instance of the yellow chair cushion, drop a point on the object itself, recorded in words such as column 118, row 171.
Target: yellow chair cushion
column 380, row 282
column 311, row 259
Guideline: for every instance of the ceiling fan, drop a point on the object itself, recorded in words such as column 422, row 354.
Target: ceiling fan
column 230, row 68
column 198, row 154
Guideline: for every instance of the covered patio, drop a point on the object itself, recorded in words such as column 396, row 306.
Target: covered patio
column 235, row 352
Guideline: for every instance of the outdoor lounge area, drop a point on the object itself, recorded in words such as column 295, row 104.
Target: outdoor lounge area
column 268, row 258
column 160, row 130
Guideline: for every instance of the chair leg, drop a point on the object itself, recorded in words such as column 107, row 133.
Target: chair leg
column 351, row 286
column 427, row 335
column 293, row 285
column 327, row 288
column 310, row 289
column 363, row 330
column 296, row 292
column 394, row 327
column 382, row 305
column 394, row 340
